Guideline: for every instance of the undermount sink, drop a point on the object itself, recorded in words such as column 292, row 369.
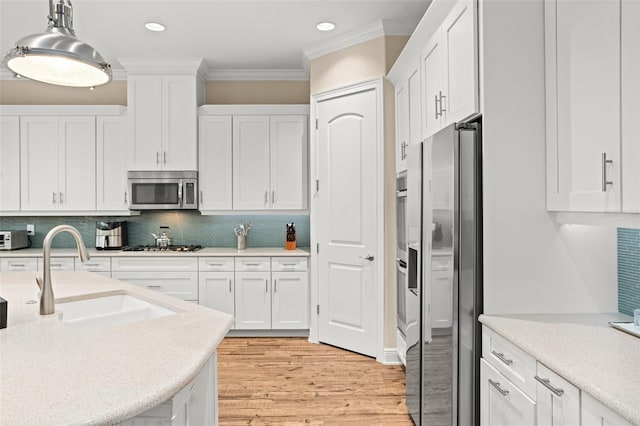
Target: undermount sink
column 110, row 310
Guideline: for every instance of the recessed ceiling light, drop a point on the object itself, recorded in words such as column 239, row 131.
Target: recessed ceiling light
column 326, row 26
column 154, row 26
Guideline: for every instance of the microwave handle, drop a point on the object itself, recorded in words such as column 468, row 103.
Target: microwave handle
column 180, row 192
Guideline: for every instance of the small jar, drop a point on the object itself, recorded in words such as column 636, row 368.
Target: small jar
column 290, row 243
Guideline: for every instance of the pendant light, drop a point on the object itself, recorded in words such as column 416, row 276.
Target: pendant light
column 56, row 56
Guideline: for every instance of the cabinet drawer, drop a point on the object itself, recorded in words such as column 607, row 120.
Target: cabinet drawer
column 18, row 264
column 253, row 264
column 154, row 264
column 58, row 264
column 183, row 285
column 289, row 264
column 518, row 366
column 213, row 264
column 502, row 402
column 95, row 264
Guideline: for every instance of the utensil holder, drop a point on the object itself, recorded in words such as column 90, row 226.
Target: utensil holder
column 242, row 242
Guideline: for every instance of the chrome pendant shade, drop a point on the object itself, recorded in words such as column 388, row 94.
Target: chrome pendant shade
column 56, row 56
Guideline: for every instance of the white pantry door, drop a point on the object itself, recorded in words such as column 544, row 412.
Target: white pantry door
column 347, row 230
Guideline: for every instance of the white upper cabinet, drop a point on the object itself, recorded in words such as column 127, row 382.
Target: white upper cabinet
column 215, row 176
column 163, row 112
column 436, row 75
column 9, row 163
column 288, row 162
column 111, row 164
column 58, row 161
column 630, row 106
column 251, row 162
column 583, row 105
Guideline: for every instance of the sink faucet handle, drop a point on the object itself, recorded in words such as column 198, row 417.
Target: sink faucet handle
column 39, row 282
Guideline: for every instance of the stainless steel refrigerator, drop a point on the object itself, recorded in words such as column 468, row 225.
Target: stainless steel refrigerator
column 444, row 218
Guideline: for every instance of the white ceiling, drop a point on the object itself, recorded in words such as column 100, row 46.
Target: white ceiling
column 231, row 35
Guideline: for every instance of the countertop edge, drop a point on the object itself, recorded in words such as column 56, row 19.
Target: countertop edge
column 525, row 343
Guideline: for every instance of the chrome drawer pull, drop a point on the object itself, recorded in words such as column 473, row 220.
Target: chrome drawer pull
column 501, row 357
column 154, row 286
column 546, row 383
column 229, row 285
column 496, row 385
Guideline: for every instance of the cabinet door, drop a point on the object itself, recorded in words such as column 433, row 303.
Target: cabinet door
column 77, row 160
column 250, row 162
column 596, row 414
column 459, row 36
column 432, row 85
column 253, row 300
column 290, row 309
column 215, row 291
column 630, row 106
column 583, row 78
column 179, row 123
column 502, row 403
column 414, row 90
column 39, row 163
column 288, row 162
column 144, row 106
column 15, row 264
column 111, row 164
column 215, row 156
column 58, row 264
column 402, row 126
column 558, row 401
column 9, row 163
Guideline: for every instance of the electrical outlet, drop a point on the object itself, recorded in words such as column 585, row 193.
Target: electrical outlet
column 31, row 229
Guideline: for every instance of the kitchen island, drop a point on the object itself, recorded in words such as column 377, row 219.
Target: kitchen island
column 600, row 361
column 54, row 373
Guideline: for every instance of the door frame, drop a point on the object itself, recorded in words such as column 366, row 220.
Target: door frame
column 379, row 283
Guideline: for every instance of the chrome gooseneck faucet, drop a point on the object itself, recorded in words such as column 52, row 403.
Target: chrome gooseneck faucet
column 47, row 303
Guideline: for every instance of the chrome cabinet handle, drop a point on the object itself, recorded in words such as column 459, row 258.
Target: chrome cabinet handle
column 201, row 196
column 125, row 197
column 436, row 105
column 60, row 197
column 442, row 108
column 605, row 182
column 273, row 197
column 547, row 384
column 165, row 157
column 266, row 285
column 54, row 198
column 496, row 385
column 275, row 286
column 265, row 197
column 17, row 265
column 229, row 285
column 157, row 158
column 154, row 286
column 501, row 357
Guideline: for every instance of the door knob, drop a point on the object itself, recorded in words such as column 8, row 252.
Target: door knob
column 367, row 257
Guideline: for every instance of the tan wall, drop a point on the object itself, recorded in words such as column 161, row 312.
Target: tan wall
column 257, row 92
column 393, row 47
column 27, row 92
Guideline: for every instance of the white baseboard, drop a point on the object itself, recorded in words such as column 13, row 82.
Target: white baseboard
column 268, row 333
column 390, row 357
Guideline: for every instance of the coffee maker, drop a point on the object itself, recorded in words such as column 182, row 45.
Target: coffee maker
column 111, row 235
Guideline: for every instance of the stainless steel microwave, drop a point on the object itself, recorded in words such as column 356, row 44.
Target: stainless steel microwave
column 158, row 190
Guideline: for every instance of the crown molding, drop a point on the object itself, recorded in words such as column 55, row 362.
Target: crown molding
column 258, row 74
column 366, row 33
column 158, row 66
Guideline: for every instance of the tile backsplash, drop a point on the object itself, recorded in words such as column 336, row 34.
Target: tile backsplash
column 186, row 228
column 628, row 270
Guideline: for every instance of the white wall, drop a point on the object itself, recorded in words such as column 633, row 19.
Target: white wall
column 531, row 264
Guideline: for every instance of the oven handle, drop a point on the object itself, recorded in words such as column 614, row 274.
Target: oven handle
column 180, row 192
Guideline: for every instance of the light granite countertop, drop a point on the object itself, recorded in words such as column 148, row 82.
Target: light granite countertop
column 56, row 374
column 205, row 251
column 585, row 350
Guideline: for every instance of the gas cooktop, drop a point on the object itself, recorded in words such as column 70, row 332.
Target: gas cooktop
column 186, row 247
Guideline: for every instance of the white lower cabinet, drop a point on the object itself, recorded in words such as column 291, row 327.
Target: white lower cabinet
column 173, row 276
column 501, row 402
column 558, row 400
column 290, row 306
column 595, row 414
column 253, row 300
column 98, row 265
column 16, row 264
column 194, row 405
column 216, row 284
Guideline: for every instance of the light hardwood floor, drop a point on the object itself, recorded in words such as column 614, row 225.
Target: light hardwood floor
column 289, row 381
